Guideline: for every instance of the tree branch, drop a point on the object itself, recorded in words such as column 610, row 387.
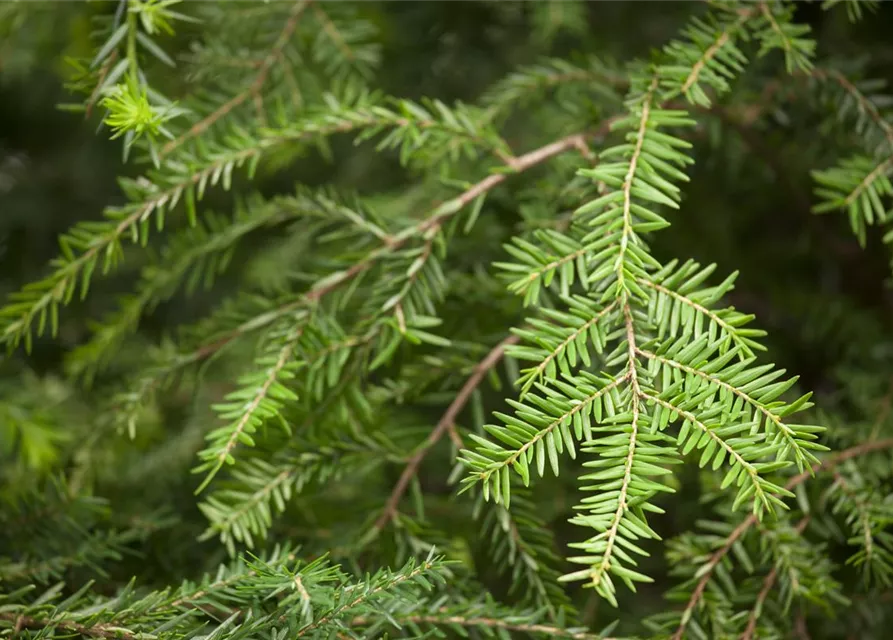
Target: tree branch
column 492, row 623
column 768, row 583
column 104, row 631
column 445, row 211
column 747, row 523
column 253, row 90
column 445, row 423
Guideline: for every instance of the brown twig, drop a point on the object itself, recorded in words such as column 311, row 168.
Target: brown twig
column 521, row 163
column 252, row 90
column 96, row 631
column 747, row 523
column 493, row 623
column 442, row 213
column 768, row 583
column 800, row 627
column 447, row 421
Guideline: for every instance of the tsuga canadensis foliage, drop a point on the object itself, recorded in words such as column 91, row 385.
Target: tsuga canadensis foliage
column 346, row 362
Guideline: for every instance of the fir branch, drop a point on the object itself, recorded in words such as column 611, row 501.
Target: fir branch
column 561, row 352
column 252, row 90
column 252, row 409
column 787, row 36
column 680, row 287
column 524, row 442
column 332, row 31
column 196, row 255
column 862, row 508
column 768, row 583
column 242, row 511
column 392, row 243
column 707, row 571
column 762, row 498
column 627, row 232
column 522, row 546
column 443, row 425
column 413, row 574
column 868, row 514
column 597, row 573
column 189, row 180
column 493, row 623
column 529, row 82
column 793, row 439
column 708, row 57
column 865, row 104
column 105, row 631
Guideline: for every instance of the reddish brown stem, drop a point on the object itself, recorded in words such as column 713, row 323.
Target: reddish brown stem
column 747, row 523
column 445, row 423
column 768, row 583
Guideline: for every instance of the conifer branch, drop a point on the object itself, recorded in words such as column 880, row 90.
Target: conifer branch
column 253, row 406
column 867, row 182
column 445, row 423
column 610, row 537
column 865, row 104
column 733, row 331
column 253, row 89
column 196, row 249
column 768, row 583
column 863, row 509
column 754, row 476
column 391, row 244
column 769, row 415
column 630, row 361
column 707, row 571
column 492, row 623
column 781, row 33
column 393, row 581
column 782, row 36
column 530, row 81
column 96, row 241
column 711, row 52
column 523, row 547
column 105, row 631
column 542, row 441
column 333, row 34
column 627, row 233
column 537, row 372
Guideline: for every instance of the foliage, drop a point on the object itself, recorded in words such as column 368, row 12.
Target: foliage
column 251, row 399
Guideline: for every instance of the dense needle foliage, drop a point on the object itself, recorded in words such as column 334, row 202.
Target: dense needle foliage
column 425, row 320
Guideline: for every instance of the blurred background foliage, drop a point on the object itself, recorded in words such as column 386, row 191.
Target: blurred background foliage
column 825, row 302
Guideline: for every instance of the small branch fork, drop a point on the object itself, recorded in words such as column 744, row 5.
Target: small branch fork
column 747, row 523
